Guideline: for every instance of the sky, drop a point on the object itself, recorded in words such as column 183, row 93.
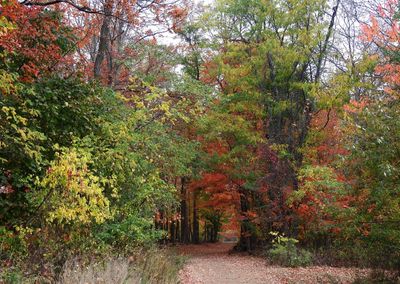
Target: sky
column 204, row 1
column 170, row 38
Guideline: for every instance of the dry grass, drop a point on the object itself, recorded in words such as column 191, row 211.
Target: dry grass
column 145, row 266
column 116, row 271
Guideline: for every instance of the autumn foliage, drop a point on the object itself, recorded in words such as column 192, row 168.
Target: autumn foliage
column 258, row 121
column 33, row 46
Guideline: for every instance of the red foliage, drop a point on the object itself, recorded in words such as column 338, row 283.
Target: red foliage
column 384, row 32
column 327, row 123
column 323, row 151
column 131, row 23
column 220, row 191
column 32, row 43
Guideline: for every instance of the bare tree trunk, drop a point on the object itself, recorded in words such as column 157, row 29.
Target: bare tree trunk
column 177, row 228
column 205, row 232
column 104, row 40
column 247, row 238
column 172, row 231
column 184, row 213
column 195, row 221
column 328, row 36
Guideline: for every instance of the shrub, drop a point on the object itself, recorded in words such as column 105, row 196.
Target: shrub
column 9, row 243
column 122, row 233
column 285, row 252
column 11, row 276
column 71, row 193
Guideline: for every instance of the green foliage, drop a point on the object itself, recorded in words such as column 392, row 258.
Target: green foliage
column 374, row 160
column 317, row 180
column 12, row 276
column 35, row 122
column 130, row 230
column 285, row 252
column 12, row 244
column 87, row 168
column 267, row 70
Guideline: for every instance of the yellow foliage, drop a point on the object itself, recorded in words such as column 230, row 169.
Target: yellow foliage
column 73, row 192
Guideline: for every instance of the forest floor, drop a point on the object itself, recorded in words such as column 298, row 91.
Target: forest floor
column 215, row 264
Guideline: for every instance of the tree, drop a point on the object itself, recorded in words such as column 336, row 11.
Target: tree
column 106, row 30
column 374, row 149
column 35, row 43
column 273, row 53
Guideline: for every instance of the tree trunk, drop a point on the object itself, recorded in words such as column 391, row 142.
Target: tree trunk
column 177, row 231
column 195, row 222
column 247, row 239
column 172, row 231
column 104, row 39
column 205, row 232
column 184, row 213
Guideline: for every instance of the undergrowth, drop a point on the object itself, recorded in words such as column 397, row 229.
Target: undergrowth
column 285, row 252
column 143, row 266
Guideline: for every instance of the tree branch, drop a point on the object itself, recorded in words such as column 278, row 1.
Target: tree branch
column 325, row 45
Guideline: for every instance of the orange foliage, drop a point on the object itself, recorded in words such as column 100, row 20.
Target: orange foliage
column 32, row 43
column 324, row 151
column 327, row 123
column 384, row 32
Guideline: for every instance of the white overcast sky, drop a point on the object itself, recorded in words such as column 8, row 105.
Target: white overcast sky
column 204, row 1
column 170, row 38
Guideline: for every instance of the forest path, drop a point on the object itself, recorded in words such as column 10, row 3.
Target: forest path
column 214, row 264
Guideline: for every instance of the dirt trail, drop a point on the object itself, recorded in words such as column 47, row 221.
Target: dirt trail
column 214, row 264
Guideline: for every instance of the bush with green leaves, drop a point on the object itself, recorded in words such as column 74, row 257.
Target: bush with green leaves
column 35, row 121
column 375, row 211
column 83, row 169
column 285, row 252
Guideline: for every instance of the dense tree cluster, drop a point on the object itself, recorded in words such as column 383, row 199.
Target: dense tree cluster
column 261, row 116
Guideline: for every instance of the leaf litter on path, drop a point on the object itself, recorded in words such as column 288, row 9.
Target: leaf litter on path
column 214, row 264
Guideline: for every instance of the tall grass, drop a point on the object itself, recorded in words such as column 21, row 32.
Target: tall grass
column 144, row 266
